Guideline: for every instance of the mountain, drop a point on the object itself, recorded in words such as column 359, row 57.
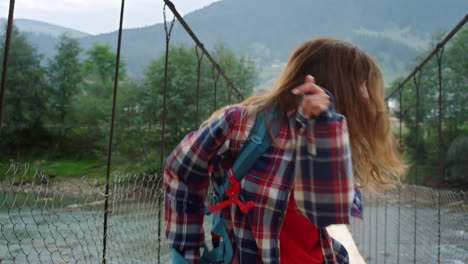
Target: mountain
column 37, row 27
column 392, row 31
column 42, row 35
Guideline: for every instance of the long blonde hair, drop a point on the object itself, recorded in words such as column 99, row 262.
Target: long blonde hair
column 347, row 72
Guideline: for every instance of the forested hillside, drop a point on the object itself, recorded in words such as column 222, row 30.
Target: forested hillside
column 59, row 113
column 392, row 31
column 59, row 89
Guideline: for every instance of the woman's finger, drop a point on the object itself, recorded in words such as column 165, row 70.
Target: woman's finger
column 314, row 99
column 315, row 104
column 309, row 78
column 308, row 87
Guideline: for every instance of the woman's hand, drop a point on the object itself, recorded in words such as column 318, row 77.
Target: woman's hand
column 315, row 99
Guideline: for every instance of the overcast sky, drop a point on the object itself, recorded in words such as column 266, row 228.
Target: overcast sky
column 97, row 16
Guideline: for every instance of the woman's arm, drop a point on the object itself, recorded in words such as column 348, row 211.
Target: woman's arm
column 186, row 179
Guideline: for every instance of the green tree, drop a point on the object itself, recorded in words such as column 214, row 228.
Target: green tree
column 182, row 99
column 181, row 95
column 240, row 69
column 100, row 63
column 434, row 153
column 25, row 97
column 65, row 77
column 130, row 130
column 92, row 108
column 455, row 78
column 455, row 109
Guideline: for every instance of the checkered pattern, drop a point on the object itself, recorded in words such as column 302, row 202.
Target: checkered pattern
column 317, row 161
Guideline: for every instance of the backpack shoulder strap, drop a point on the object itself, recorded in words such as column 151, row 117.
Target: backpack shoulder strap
column 255, row 145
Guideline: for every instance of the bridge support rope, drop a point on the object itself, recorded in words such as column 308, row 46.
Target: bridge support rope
column 111, row 136
column 6, row 54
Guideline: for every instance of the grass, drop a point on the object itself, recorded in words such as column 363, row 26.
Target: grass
column 54, row 169
column 74, row 168
column 69, row 168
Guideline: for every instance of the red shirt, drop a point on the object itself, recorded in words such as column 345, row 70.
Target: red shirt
column 299, row 238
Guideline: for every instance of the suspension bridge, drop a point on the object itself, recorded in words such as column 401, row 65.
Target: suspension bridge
column 121, row 221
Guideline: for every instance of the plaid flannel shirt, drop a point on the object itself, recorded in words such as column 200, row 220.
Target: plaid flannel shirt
column 204, row 156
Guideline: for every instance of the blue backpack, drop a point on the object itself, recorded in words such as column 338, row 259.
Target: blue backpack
column 256, row 144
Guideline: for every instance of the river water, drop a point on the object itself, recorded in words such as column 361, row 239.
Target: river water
column 36, row 233
column 391, row 234
column 39, row 233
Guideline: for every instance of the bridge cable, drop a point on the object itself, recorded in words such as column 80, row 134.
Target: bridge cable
column 202, row 47
column 229, row 93
column 417, row 82
column 440, row 143
column 168, row 31
column 400, row 117
column 439, row 127
column 199, row 62
column 370, row 229
column 385, row 227
column 399, row 185
column 437, row 48
column 376, row 228
column 438, row 227
column 109, row 153
column 6, row 53
column 215, row 86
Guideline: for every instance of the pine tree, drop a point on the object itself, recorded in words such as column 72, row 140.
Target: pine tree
column 25, row 97
column 64, row 76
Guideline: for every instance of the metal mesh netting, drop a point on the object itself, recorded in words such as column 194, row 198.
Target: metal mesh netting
column 62, row 222
column 413, row 224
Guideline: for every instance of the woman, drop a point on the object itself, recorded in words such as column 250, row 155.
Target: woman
column 296, row 192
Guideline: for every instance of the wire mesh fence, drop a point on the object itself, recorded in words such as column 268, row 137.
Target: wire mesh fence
column 44, row 221
column 62, row 222
column 413, row 224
